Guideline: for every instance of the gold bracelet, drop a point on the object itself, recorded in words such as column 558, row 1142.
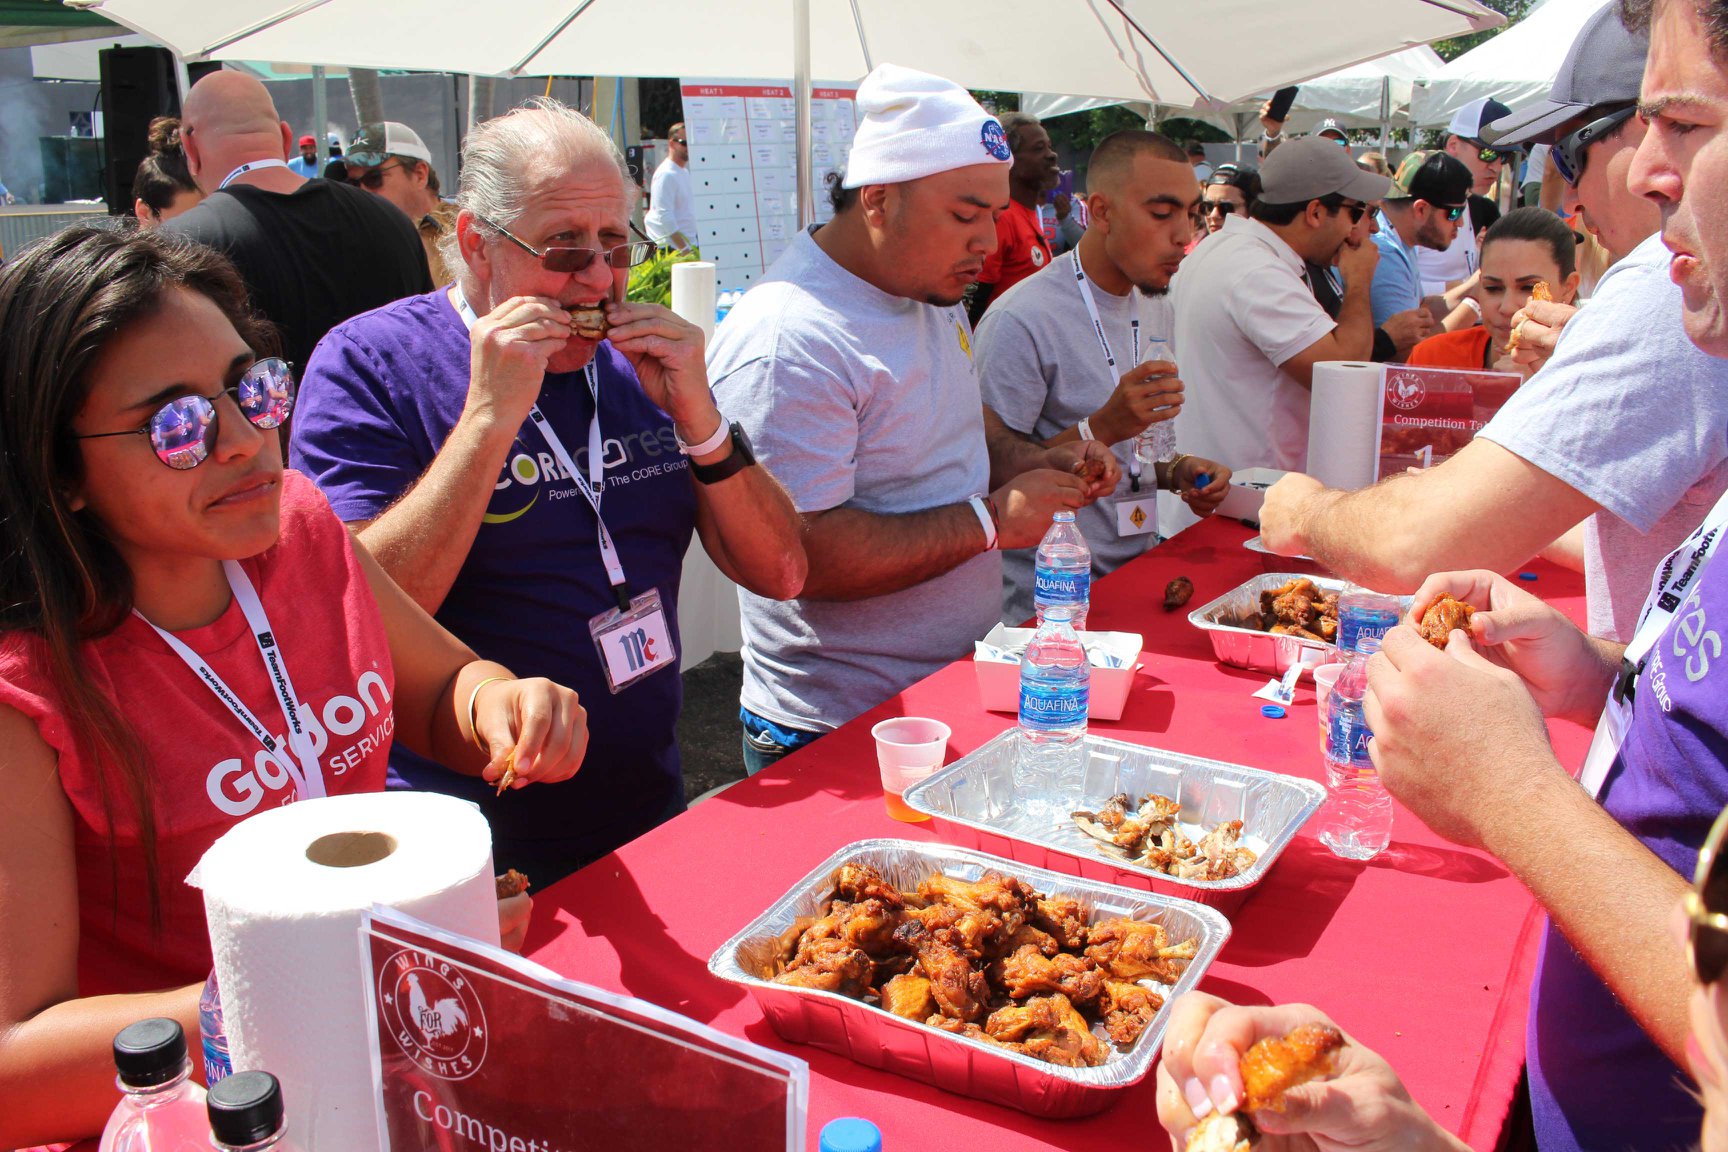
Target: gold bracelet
column 1170, row 471
column 473, row 697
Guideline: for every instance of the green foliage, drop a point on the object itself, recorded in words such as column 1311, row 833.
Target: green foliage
column 1513, row 10
column 651, row 280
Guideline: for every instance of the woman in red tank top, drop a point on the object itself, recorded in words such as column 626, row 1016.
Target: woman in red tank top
column 187, row 634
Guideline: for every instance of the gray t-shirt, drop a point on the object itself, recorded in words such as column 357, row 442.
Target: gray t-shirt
column 1042, row 370
column 1631, row 414
column 855, row 398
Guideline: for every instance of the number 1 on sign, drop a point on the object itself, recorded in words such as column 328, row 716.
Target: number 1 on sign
column 1426, row 455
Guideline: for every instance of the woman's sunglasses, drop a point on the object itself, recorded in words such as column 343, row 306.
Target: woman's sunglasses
column 1207, row 207
column 1707, row 934
column 556, row 259
column 183, row 431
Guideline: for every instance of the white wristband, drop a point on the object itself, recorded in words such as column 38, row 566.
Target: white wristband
column 985, row 522
column 709, row 445
column 1085, row 429
column 1473, row 304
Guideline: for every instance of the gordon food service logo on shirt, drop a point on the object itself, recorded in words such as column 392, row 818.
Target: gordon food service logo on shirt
column 1405, row 392
column 433, row 1013
column 625, row 459
column 238, row 785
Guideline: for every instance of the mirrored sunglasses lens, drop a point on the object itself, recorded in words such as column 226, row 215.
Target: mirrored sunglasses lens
column 181, row 431
column 267, row 393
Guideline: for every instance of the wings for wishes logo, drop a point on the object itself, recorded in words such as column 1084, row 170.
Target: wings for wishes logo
column 431, row 1010
column 1405, row 393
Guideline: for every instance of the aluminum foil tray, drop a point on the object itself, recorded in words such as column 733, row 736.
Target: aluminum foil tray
column 956, row 1064
column 974, row 801
column 1231, row 622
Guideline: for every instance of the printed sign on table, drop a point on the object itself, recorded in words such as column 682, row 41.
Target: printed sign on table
column 480, row 1049
column 1429, row 414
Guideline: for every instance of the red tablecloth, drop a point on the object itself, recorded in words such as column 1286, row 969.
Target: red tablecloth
column 1423, row 954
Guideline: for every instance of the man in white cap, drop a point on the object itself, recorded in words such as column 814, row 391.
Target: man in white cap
column 851, row 367
column 1444, row 268
column 389, row 160
column 1249, row 328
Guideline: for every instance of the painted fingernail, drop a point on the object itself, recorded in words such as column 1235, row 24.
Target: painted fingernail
column 1195, row 1093
column 1223, row 1095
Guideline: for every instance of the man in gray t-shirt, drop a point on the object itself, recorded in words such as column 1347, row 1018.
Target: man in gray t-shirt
column 1052, row 374
column 850, row 366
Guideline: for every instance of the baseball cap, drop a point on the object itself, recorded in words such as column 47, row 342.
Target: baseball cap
column 376, row 143
column 1331, row 125
column 1434, row 177
column 308, row 142
column 1604, row 67
column 1469, row 121
column 1308, row 168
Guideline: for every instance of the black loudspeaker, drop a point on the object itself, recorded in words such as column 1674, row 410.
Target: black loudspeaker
column 138, row 85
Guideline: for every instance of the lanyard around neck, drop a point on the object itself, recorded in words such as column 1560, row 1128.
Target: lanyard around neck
column 299, row 757
column 592, row 486
column 1668, row 589
column 249, row 166
column 1104, row 343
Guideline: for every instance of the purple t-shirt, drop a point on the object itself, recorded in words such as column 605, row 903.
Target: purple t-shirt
column 379, row 398
column 1597, row 1081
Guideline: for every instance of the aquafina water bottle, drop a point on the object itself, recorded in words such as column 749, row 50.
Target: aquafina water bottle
column 1363, row 613
column 1157, row 443
column 1062, row 573
column 1055, row 691
column 1357, row 820
column 217, row 1063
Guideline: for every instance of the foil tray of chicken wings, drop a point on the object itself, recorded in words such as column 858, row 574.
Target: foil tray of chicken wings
column 1235, row 624
column 965, row 1061
column 974, row 802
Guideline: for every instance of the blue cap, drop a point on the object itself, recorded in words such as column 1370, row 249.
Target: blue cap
column 851, row 1134
column 1527, row 576
column 1203, row 479
column 1271, row 711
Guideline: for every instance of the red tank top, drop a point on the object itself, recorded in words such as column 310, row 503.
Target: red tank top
column 207, row 771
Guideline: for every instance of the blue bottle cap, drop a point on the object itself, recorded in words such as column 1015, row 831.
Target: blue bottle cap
column 1271, row 711
column 1203, row 479
column 850, row 1134
column 1527, row 576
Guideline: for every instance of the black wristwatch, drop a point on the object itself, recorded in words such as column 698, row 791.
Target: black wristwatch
column 741, row 458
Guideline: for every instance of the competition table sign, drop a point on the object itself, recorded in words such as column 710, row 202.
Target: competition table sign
column 1429, row 414
column 1424, row 954
column 744, row 168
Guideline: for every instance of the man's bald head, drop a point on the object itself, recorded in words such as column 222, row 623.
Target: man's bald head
column 229, row 119
column 1114, row 157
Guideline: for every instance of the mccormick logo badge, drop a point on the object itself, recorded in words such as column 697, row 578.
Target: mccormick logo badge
column 433, row 1014
column 1405, row 392
column 994, row 141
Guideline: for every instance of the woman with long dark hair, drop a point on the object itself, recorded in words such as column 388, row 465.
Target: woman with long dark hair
column 163, row 186
column 187, row 635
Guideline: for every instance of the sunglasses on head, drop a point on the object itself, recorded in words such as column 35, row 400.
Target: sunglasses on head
column 1707, row 931
column 1569, row 151
column 561, row 259
column 183, row 431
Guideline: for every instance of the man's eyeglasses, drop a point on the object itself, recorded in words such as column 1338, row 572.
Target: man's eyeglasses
column 1707, row 933
column 677, row 139
column 1207, row 207
column 1452, row 212
column 183, row 431
column 373, row 178
column 1356, row 208
column 560, row 259
column 1569, row 151
column 1491, row 155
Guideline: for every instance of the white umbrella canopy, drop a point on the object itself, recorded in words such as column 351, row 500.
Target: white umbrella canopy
column 1153, row 50
column 1515, row 67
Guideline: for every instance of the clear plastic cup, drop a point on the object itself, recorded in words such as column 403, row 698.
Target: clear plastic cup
column 1325, row 675
column 908, row 749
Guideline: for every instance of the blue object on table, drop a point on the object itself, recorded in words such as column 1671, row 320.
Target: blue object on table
column 851, row 1134
column 1527, row 576
column 1271, row 711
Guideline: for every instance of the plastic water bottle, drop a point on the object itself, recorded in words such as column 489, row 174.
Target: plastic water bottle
column 162, row 1110
column 1055, row 689
column 246, row 1114
column 1363, row 613
column 1157, row 443
column 1062, row 573
column 850, row 1134
column 1357, row 820
column 217, row 1063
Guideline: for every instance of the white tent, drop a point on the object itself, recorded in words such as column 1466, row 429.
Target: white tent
column 1515, row 67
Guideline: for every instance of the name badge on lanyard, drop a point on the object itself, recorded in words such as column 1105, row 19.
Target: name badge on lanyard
column 1669, row 590
column 299, row 757
column 633, row 640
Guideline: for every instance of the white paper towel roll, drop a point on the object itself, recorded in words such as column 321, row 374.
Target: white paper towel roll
column 283, row 895
column 1344, row 424
column 693, row 284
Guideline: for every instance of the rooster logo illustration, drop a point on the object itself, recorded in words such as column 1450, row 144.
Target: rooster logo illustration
column 432, row 1012
column 1405, row 392
column 437, row 1020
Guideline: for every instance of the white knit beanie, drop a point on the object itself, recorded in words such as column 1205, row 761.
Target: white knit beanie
column 912, row 124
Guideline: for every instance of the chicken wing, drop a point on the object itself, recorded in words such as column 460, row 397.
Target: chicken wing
column 1279, row 1063
column 1063, row 918
column 862, row 882
column 868, row 924
column 1127, row 1009
column 1217, row 1132
column 1138, row 950
column 1029, row 972
column 1049, row 1028
column 909, row 995
column 1002, row 895
column 960, row 990
column 830, row 966
column 1442, row 616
